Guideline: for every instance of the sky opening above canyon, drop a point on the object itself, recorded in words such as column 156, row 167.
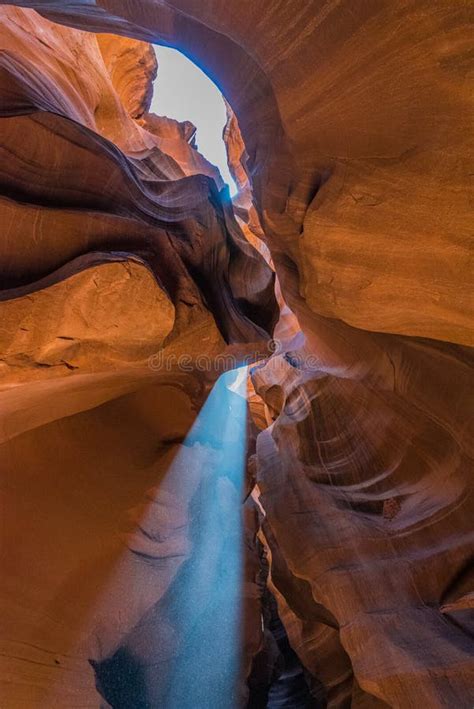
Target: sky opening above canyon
column 184, row 92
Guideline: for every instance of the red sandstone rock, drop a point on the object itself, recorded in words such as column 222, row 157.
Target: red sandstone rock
column 351, row 153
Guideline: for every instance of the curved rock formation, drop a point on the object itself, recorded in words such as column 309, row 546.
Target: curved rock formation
column 349, row 135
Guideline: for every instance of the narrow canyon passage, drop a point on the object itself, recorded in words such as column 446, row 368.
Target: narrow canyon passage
column 236, row 371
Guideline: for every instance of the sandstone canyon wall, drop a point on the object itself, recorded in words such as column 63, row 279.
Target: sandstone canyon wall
column 350, row 133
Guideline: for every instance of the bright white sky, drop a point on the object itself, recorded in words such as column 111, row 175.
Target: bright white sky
column 184, row 92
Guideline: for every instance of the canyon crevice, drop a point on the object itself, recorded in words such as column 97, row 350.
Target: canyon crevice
column 319, row 504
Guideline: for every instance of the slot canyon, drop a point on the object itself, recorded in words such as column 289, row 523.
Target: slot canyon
column 236, row 431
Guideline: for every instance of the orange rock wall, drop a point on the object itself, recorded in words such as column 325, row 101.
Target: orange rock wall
column 355, row 119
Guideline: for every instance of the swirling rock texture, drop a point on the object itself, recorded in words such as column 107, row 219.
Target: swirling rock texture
column 117, row 244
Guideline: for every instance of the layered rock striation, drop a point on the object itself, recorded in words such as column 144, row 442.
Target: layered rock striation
column 349, row 135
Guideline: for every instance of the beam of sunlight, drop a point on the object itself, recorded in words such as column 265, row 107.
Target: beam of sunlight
column 208, row 589
column 164, row 630
column 184, row 92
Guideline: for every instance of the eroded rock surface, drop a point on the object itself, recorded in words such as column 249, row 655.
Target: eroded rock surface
column 349, row 136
